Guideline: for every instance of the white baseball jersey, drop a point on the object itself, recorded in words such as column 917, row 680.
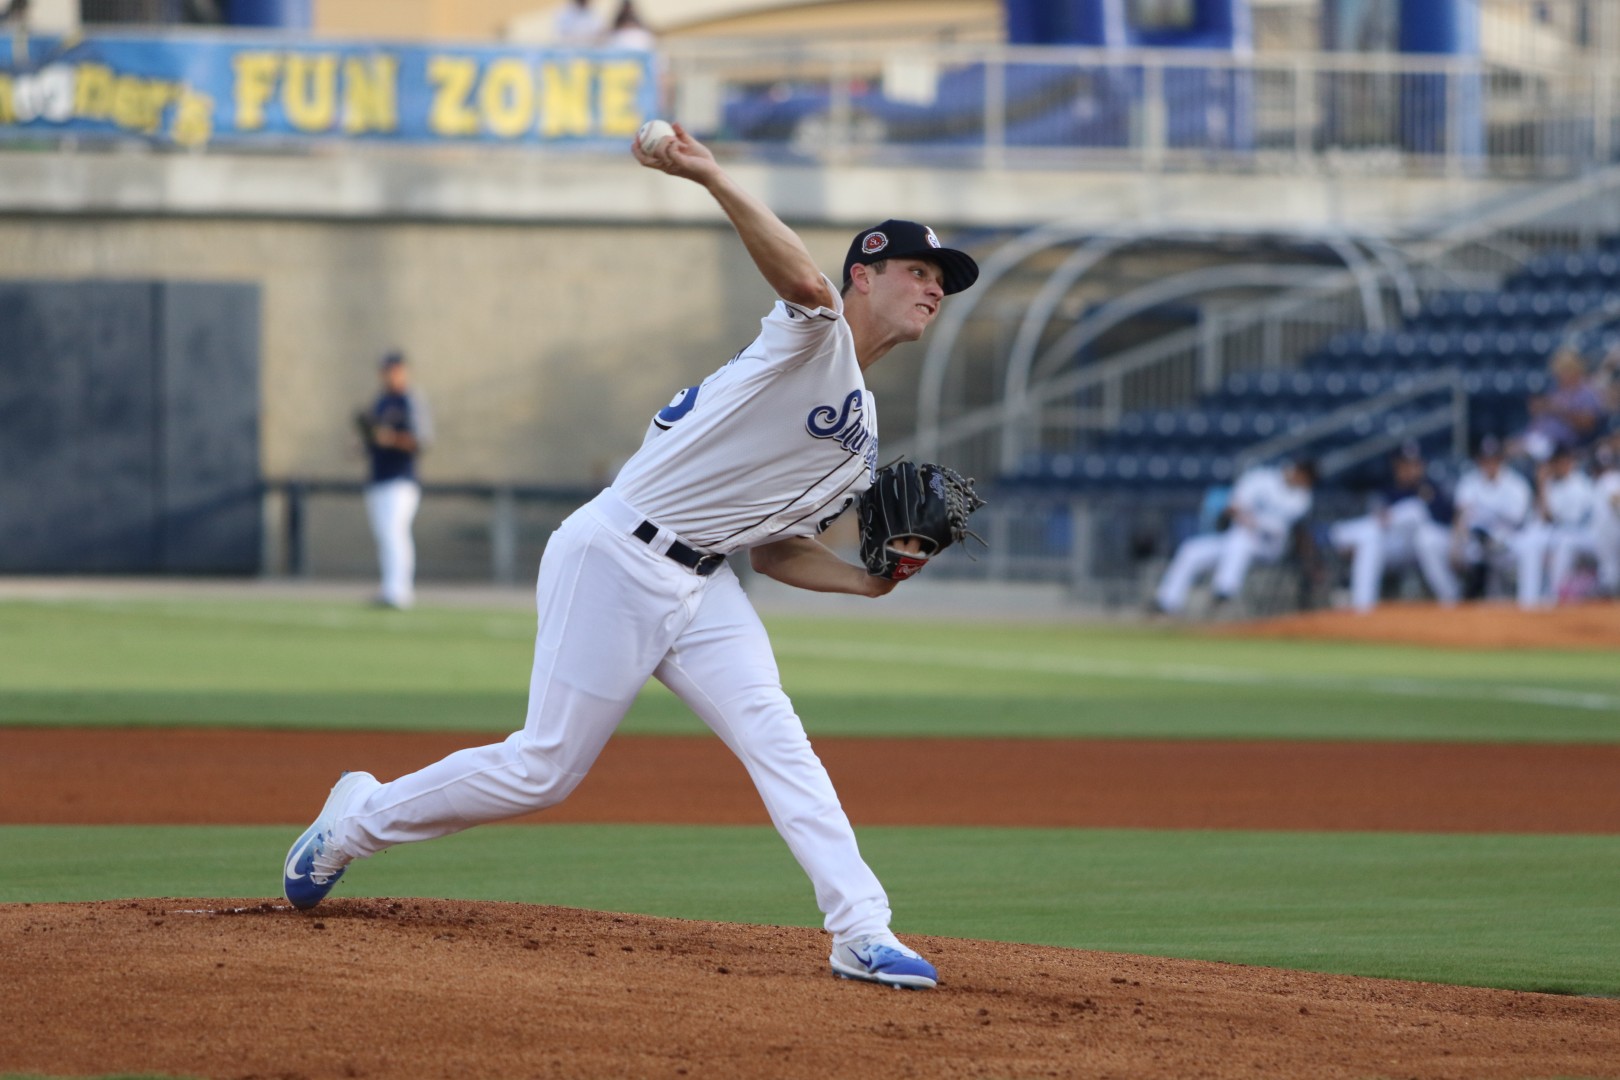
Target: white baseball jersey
column 1499, row 504
column 1606, row 497
column 1265, row 494
column 771, row 445
column 776, row 443
column 1570, row 500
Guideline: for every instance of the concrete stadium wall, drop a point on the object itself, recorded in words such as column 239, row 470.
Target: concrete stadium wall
column 543, row 349
column 551, row 304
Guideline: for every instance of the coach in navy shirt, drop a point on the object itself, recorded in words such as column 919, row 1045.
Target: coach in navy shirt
column 396, row 429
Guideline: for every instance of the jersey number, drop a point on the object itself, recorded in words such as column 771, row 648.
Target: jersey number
column 679, row 406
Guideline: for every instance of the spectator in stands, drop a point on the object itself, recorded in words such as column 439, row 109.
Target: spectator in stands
column 396, row 429
column 1600, row 540
column 1493, row 501
column 576, row 24
column 1408, row 524
column 1267, row 502
column 1571, row 414
column 628, row 31
column 629, row 34
column 1560, row 517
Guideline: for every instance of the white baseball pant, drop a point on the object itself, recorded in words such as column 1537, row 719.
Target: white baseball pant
column 1228, row 553
column 1599, row 542
column 391, row 508
column 1531, row 547
column 613, row 612
column 1397, row 541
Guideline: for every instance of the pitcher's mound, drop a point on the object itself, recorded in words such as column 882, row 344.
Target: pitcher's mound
column 429, row 988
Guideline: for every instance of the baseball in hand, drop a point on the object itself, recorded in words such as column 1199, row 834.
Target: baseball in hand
column 652, row 133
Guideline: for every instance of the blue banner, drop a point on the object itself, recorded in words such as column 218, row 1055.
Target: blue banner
column 193, row 91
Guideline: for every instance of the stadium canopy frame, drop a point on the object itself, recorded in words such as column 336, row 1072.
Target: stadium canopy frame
column 1095, row 246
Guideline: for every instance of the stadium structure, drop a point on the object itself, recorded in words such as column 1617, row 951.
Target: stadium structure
column 1213, row 233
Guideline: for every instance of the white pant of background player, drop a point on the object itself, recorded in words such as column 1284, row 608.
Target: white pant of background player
column 1403, row 536
column 391, row 508
column 613, row 612
column 1599, row 542
column 1229, row 554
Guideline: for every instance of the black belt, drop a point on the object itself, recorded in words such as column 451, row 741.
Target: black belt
column 700, row 564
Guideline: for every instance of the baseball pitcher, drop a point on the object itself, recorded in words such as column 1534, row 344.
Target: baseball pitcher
column 760, row 457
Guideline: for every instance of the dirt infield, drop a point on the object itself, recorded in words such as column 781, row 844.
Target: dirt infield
column 249, row 988
column 1467, row 626
column 50, row 776
column 428, row 988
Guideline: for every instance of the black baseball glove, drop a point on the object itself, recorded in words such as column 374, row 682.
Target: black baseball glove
column 926, row 503
column 365, row 425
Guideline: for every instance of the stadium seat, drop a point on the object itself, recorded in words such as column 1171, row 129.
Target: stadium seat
column 1500, row 339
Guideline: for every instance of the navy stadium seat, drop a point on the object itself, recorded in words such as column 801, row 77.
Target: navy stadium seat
column 1501, row 339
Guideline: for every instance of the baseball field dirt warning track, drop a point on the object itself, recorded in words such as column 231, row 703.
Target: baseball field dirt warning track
column 248, row 987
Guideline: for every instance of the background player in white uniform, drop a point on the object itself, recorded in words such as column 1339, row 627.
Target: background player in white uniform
column 1600, row 539
column 1493, row 502
column 1266, row 502
column 761, row 455
column 1560, row 516
column 398, row 428
column 1404, row 528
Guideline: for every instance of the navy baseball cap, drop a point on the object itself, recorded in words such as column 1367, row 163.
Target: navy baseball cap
column 896, row 239
column 392, row 359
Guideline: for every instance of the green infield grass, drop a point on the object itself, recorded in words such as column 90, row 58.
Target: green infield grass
column 330, row 665
column 1523, row 912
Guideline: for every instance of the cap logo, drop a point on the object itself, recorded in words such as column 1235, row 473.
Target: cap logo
column 874, row 243
column 933, row 241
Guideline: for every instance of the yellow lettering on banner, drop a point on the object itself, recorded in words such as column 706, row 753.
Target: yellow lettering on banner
column 452, row 79
column 565, row 106
column 256, row 74
column 619, row 97
column 8, row 114
column 193, row 118
column 93, row 92
column 138, row 103
column 309, row 91
column 370, row 94
column 159, row 95
column 127, row 101
column 506, row 98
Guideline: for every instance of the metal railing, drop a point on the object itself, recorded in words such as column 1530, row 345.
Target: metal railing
column 1158, row 110
column 1072, row 401
column 1152, row 109
column 1080, row 539
column 464, row 530
column 1452, row 415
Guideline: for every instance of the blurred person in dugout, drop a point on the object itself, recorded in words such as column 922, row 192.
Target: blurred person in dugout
column 1407, row 524
column 1267, row 502
column 1560, row 516
column 1570, row 414
column 1597, row 541
column 1493, row 503
column 395, row 431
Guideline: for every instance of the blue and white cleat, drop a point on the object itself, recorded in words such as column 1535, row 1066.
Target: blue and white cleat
column 880, row 958
column 314, row 864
